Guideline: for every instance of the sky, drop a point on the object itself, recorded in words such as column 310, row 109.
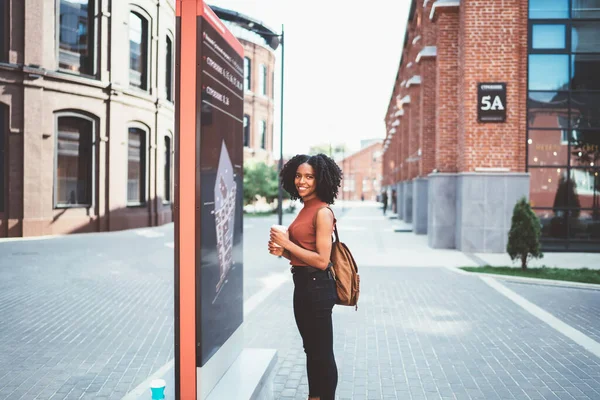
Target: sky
column 341, row 60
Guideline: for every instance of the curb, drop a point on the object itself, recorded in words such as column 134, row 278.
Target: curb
column 534, row 281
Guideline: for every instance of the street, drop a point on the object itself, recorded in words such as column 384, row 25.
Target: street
column 91, row 316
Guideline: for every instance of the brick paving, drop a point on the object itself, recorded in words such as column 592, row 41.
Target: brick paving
column 579, row 308
column 83, row 317
column 428, row 333
column 91, row 316
column 425, row 332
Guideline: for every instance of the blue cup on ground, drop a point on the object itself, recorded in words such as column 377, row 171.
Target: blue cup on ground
column 157, row 387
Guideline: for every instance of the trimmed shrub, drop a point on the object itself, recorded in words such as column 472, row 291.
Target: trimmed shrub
column 524, row 235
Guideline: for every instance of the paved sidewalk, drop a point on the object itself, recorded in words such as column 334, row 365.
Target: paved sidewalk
column 425, row 332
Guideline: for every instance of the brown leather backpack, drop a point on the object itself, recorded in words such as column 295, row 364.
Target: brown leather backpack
column 345, row 272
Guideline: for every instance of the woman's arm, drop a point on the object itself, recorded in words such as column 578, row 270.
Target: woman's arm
column 319, row 259
column 279, row 251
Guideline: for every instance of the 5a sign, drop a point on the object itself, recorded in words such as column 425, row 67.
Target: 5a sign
column 491, row 102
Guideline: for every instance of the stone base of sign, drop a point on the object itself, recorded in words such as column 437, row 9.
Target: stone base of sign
column 407, row 202
column 420, row 205
column 247, row 378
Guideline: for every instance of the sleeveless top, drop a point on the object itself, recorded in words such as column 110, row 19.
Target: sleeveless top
column 303, row 231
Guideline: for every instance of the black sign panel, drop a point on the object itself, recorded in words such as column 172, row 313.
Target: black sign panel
column 219, row 266
column 491, row 102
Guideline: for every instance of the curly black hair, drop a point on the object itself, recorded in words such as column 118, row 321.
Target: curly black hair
column 328, row 176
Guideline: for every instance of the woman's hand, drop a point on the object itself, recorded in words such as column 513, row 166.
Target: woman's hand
column 275, row 250
column 280, row 238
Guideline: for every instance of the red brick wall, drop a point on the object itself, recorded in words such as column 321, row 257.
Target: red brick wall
column 428, row 107
column 414, row 131
column 447, row 90
column 395, row 151
column 428, row 99
column 479, row 41
column 494, row 51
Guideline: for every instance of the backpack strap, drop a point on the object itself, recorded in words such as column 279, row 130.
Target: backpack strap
column 337, row 236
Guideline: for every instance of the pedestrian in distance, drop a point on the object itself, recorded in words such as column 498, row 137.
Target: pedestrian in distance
column 307, row 244
column 384, row 200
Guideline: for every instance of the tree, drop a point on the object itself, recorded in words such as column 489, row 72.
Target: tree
column 260, row 179
column 332, row 150
column 524, row 235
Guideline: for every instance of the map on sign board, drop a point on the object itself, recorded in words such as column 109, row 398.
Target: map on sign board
column 225, row 195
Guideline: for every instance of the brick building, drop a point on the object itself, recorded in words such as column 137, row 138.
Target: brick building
column 86, row 115
column 494, row 101
column 259, row 91
column 362, row 172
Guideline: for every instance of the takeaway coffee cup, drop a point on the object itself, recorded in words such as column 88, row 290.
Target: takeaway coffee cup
column 281, row 228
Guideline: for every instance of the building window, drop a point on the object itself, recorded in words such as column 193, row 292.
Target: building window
column 169, row 70
column 246, row 130
column 4, row 30
column 247, row 74
column 563, row 122
column 167, row 187
column 76, row 36
column 586, row 9
column 136, row 167
column 74, row 161
column 272, row 85
column 138, row 51
column 3, row 145
column 263, row 134
column 544, row 9
column 262, row 79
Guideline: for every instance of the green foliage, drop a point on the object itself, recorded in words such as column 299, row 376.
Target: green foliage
column 260, row 179
column 329, row 149
column 524, row 235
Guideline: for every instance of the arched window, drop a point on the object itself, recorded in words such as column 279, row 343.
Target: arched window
column 73, row 181
column 136, row 166
column 76, row 39
column 4, row 31
column 263, row 134
column 246, row 130
column 247, row 74
column 168, row 151
column 262, row 79
column 169, row 68
column 138, row 50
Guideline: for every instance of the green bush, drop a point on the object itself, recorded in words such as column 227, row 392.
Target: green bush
column 261, row 180
column 524, row 235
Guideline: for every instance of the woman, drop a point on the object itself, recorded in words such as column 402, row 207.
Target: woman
column 315, row 181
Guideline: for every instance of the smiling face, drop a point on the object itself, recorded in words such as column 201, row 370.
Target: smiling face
column 305, row 182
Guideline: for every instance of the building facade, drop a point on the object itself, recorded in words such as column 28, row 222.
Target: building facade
column 86, row 115
column 482, row 114
column 259, row 91
column 362, row 173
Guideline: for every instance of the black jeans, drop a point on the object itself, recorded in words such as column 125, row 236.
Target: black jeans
column 314, row 297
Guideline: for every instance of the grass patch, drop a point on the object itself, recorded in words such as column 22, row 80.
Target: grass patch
column 583, row 275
